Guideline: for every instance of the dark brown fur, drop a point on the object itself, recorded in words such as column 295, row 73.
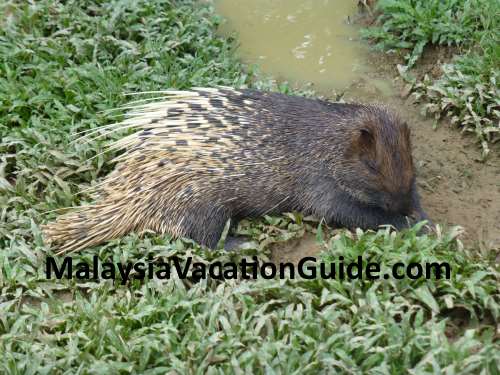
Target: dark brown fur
column 210, row 155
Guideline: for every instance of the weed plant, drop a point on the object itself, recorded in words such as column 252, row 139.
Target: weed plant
column 467, row 89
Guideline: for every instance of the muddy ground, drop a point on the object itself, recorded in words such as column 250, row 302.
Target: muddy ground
column 457, row 188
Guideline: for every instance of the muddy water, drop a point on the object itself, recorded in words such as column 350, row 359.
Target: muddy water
column 456, row 188
column 304, row 41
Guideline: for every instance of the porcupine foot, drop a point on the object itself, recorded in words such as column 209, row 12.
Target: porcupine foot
column 235, row 243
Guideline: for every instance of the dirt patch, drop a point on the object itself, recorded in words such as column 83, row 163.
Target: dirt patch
column 294, row 250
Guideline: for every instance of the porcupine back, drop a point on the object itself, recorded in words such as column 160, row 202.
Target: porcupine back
column 198, row 158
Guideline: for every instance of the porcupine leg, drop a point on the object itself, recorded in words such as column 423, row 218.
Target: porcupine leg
column 231, row 243
column 356, row 216
column 349, row 213
column 205, row 225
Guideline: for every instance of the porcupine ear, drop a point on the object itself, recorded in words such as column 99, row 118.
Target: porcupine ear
column 363, row 142
column 366, row 140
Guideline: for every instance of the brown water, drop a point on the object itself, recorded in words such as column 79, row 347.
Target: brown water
column 301, row 41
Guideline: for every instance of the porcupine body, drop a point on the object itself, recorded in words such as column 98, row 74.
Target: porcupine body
column 199, row 158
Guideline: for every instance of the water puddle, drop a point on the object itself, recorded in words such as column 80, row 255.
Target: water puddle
column 300, row 41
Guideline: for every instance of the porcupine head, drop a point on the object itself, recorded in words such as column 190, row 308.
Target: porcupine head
column 199, row 158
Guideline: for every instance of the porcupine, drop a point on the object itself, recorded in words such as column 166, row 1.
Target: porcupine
column 199, row 158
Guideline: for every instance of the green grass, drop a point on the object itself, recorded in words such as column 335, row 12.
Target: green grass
column 61, row 65
column 467, row 90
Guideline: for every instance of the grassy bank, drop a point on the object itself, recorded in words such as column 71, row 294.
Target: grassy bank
column 61, row 66
column 465, row 89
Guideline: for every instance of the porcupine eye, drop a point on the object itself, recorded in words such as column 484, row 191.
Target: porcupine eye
column 371, row 166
